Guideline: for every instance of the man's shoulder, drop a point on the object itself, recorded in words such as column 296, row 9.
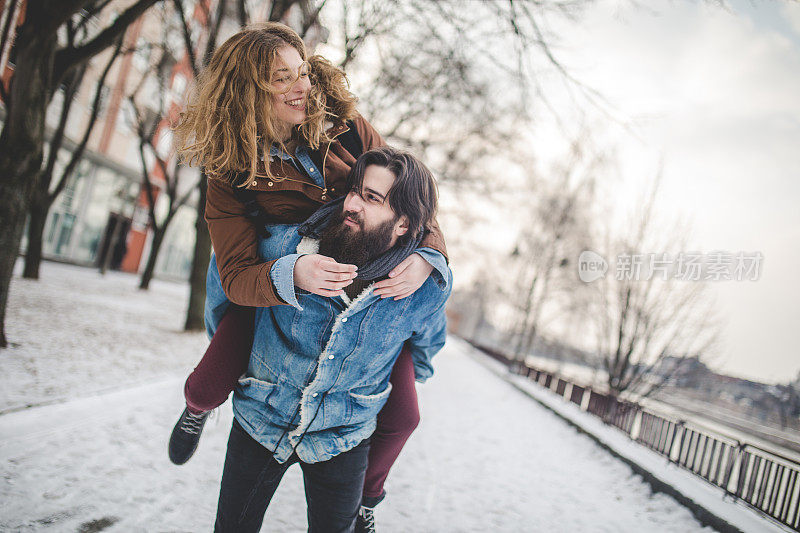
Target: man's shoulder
column 431, row 295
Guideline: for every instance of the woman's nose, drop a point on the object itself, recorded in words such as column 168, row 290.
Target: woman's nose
column 301, row 85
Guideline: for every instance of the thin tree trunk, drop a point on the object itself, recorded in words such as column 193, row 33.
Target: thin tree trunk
column 43, row 198
column 197, row 277
column 33, row 256
column 155, row 247
column 21, row 151
column 202, row 244
column 40, row 203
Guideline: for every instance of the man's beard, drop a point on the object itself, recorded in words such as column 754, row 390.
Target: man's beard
column 352, row 246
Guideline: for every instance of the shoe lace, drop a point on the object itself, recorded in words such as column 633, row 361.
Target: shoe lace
column 368, row 517
column 193, row 423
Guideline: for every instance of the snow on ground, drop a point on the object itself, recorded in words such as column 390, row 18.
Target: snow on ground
column 78, row 333
column 106, row 363
column 735, row 513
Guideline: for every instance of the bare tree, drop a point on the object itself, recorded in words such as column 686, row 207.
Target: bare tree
column 149, row 103
column 45, row 194
column 644, row 313
column 779, row 403
column 41, row 65
column 556, row 230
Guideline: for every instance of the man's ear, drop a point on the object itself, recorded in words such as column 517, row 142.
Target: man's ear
column 401, row 226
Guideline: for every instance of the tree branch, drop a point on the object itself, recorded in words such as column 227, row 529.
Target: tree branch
column 148, row 187
column 57, row 14
column 72, row 86
column 92, row 11
column 211, row 44
column 69, row 57
column 187, row 36
column 77, row 154
column 241, row 10
column 311, row 19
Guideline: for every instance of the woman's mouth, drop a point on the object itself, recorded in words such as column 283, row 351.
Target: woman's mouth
column 298, row 104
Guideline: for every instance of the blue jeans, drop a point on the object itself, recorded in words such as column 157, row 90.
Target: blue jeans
column 251, row 475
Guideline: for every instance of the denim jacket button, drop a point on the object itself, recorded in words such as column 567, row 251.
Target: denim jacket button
column 344, row 319
column 314, row 395
column 330, row 357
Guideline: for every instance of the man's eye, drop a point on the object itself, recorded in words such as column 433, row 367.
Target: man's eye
column 373, row 198
column 282, row 79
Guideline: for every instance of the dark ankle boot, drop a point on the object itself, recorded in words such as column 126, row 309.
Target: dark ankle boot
column 185, row 436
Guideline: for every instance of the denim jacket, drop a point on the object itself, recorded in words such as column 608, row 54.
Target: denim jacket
column 319, row 369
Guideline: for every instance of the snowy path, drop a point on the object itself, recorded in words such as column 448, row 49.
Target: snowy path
column 485, row 458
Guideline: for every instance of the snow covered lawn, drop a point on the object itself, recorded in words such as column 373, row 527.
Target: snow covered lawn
column 105, row 364
column 80, row 333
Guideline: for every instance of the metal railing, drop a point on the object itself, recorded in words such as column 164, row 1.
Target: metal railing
column 766, row 481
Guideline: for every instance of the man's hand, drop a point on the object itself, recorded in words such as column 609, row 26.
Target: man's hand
column 405, row 279
column 322, row 275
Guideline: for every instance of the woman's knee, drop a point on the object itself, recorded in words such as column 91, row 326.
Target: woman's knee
column 204, row 398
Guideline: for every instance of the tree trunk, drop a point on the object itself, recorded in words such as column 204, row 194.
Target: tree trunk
column 21, row 145
column 197, row 277
column 37, row 218
column 155, row 247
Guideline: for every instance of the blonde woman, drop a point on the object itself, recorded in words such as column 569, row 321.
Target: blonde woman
column 278, row 133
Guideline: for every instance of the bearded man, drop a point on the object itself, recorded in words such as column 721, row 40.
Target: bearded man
column 319, row 368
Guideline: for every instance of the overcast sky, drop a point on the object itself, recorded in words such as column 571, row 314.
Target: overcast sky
column 715, row 94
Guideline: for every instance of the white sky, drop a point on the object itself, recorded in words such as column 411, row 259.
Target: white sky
column 716, row 95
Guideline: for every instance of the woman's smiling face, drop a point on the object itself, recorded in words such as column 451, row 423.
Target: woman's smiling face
column 290, row 80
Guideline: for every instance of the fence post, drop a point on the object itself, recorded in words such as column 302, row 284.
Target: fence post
column 636, row 425
column 735, row 461
column 678, row 429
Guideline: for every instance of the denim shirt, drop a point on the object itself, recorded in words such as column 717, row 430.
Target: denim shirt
column 301, row 161
column 319, row 371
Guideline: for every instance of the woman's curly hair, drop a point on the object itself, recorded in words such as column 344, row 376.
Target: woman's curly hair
column 330, row 84
column 230, row 121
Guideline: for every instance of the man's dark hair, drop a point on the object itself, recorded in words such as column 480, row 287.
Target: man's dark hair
column 413, row 193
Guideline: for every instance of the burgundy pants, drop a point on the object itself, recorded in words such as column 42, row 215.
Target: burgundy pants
column 228, row 355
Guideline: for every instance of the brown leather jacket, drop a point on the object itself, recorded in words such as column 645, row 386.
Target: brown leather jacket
column 245, row 277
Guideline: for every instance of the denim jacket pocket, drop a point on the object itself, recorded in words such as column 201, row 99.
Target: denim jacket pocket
column 361, row 408
column 256, row 389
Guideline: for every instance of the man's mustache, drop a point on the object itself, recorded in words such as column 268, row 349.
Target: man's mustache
column 355, row 217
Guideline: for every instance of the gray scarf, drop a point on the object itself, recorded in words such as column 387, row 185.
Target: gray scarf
column 376, row 267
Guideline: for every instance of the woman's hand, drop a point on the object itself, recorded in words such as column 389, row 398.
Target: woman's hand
column 405, row 279
column 322, row 275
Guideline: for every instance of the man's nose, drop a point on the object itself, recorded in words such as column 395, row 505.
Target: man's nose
column 352, row 202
